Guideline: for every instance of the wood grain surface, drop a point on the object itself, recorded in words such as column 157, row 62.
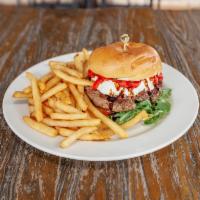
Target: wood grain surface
column 28, row 36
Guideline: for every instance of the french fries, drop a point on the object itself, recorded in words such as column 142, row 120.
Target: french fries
column 21, row 95
column 41, row 86
column 65, row 131
column 96, row 136
column 46, row 77
column 80, row 101
column 139, row 117
column 52, row 82
column 66, row 108
column 66, row 98
column 74, row 123
column 112, row 125
column 78, row 61
column 73, row 102
column 53, row 91
column 47, row 110
column 27, row 90
column 76, row 135
column 31, row 108
column 52, row 63
column 38, row 126
column 58, row 106
column 69, row 64
column 68, row 70
column 64, row 116
column 30, row 101
column 36, row 97
column 86, row 54
column 80, row 89
column 72, row 79
column 41, row 83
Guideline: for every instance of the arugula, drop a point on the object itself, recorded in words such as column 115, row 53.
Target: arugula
column 155, row 110
column 161, row 108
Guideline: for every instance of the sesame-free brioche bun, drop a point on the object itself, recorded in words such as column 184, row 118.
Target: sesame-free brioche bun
column 139, row 61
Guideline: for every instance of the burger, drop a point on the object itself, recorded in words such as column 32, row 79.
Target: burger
column 127, row 80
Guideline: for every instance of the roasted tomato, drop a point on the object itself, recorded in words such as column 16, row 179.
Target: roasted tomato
column 106, row 112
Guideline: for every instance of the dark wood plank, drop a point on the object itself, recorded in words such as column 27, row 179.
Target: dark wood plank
column 28, row 36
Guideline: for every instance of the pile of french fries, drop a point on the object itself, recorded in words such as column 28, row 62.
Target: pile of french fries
column 58, row 105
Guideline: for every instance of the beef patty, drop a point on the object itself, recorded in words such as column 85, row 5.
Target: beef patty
column 119, row 104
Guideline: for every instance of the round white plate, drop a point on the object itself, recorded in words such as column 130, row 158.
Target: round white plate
column 143, row 139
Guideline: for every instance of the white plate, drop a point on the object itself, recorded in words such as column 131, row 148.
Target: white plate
column 143, row 139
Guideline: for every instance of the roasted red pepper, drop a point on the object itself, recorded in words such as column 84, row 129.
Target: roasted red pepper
column 122, row 83
column 127, row 84
column 160, row 76
column 97, row 82
column 133, row 84
column 155, row 79
column 91, row 73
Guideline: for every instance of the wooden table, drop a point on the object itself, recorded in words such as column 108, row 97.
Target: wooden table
column 28, row 36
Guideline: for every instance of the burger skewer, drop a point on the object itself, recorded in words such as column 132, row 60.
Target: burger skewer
column 125, row 39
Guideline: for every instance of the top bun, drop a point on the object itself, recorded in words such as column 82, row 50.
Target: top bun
column 139, row 61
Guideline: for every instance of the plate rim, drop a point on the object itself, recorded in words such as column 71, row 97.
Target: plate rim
column 93, row 158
